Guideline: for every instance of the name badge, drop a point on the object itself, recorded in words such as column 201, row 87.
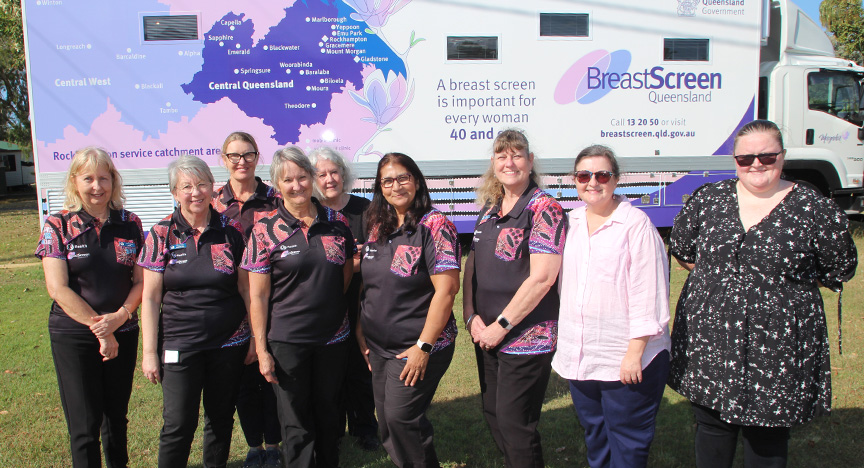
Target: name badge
column 177, row 246
column 171, row 357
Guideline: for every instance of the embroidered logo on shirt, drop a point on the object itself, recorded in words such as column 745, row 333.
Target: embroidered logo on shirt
column 334, row 249
column 124, row 250
column 405, row 260
column 223, row 259
column 509, row 241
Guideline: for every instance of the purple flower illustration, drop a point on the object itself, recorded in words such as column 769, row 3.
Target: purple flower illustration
column 386, row 99
column 375, row 13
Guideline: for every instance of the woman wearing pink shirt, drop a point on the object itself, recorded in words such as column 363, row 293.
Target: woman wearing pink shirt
column 613, row 341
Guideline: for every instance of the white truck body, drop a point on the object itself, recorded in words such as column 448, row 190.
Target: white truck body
column 666, row 84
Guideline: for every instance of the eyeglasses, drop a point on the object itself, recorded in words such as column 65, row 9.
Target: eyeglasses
column 766, row 159
column 202, row 187
column 583, row 177
column 403, row 179
column 248, row 157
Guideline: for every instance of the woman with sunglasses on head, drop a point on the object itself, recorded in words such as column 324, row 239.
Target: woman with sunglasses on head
column 407, row 332
column 510, row 302
column 88, row 255
column 613, row 341
column 193, row 317
column 749, row 342
column 299, row 259
column 240, row 199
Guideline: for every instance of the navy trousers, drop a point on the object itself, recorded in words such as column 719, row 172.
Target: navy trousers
column 619, row 419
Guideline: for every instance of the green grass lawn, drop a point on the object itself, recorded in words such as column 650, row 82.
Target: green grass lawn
column 33, row 429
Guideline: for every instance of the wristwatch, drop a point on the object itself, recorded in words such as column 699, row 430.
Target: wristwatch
column 468, row 323
column 505, row 324
column 424, row 346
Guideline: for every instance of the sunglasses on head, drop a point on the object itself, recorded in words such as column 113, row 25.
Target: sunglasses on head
column 583, row 177
column 766, row 159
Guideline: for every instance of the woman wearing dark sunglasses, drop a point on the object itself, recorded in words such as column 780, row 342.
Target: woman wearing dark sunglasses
column 749, row 343
column 613, row 342
column 510, row 302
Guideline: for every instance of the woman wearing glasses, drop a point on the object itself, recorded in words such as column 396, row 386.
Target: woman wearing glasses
column 240, row 199
column 193, row 316
column 749, row 344
column 613, row 341
column 410, row 271
column 510, row 302
column 299, row 262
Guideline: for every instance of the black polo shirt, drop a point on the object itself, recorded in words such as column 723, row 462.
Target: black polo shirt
column 99, row 261
column 397, row 284
column 307, row 304
column 353, row 211
column 502, row 246
column 201, row 305
column 264, row 199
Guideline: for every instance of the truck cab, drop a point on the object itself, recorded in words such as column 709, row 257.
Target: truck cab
column 816, row 99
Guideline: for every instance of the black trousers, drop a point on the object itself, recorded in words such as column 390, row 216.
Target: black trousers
column 406, row 433
column 512, row 388
column 256, row 408
column 716, row 440
column 95, row 395
column 357, row 401
column 215, row 374
column 310, row 377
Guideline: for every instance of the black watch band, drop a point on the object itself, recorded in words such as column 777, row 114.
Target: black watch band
column 424, row 346
column 505, row 324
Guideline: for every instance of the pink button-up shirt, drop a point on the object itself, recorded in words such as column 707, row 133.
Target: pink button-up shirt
column 613, row 287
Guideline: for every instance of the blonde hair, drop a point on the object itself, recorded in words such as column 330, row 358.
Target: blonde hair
column 491, row 191
column 92, row 158
column 238, row 136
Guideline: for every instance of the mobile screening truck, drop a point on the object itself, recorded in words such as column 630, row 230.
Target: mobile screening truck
column 665, row 83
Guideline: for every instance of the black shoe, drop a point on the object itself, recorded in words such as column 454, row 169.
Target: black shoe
column 254, row 458
column 369, row 443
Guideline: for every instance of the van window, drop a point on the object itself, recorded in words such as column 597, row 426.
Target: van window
column 171, row 28
column 472, row 48
column 685, row 50
column 836, row 93
column 564, row 24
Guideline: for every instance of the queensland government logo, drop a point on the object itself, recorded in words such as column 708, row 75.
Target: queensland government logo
column 576, row 84
column 687, row 7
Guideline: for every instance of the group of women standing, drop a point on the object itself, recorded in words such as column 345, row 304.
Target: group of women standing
column 248, row 275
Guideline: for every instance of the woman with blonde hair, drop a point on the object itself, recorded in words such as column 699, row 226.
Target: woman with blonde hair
column 510, row 302
column 88, row 253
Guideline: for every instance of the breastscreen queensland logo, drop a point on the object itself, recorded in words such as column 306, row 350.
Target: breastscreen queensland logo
column 599, row 72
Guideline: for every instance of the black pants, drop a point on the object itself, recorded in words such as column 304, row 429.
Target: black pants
column 716, row 440
column 95, row 395
column 406, row 433
column 215, row 373
column 357, row 401
column 512, row 387
column 256, row 408
column 310, row 377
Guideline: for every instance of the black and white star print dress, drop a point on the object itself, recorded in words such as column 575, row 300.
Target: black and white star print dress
column 749, row 337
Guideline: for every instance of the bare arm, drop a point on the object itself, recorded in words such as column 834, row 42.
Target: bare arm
column 151, row 307
column 687, row 266
column 446, row 286
column 259, row 298
column 57, row 283
column 104, row 325
column 475, row 325
column 243, row 289
column 543, row 273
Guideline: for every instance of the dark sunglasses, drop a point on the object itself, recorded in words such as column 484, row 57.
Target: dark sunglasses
column 583, row 177
column 766, row 159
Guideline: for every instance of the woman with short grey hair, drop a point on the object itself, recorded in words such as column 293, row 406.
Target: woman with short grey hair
column 192, row 279
column 332, row 183
column 299, row 262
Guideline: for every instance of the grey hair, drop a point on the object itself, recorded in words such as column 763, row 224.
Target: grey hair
column 329, row 154
column 192, row 166
column 292, row 154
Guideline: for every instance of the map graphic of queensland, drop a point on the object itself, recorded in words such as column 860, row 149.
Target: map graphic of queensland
column 288, row 78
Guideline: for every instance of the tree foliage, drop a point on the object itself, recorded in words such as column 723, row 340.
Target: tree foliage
column 14, row 107
column 845, row 20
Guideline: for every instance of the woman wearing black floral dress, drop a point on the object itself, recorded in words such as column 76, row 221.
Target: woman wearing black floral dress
column 750, row 344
